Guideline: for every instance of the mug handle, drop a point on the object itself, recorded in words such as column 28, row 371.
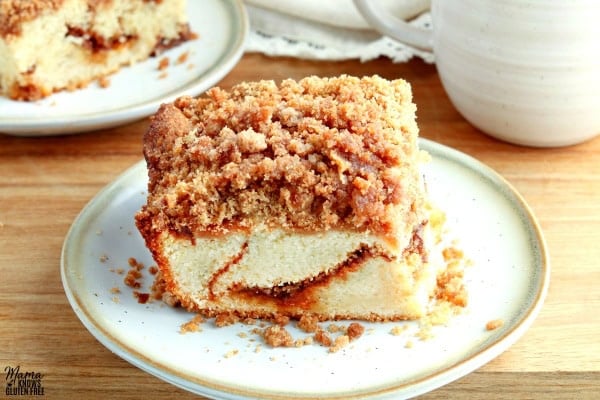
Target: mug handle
column 394, row 27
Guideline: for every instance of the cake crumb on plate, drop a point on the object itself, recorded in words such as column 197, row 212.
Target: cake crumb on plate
column 494, row 324
column 277, row 336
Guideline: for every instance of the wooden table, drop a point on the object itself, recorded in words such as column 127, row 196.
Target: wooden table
column 45, row 182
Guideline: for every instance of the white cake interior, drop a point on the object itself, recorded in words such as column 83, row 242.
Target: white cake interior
column 222, row 273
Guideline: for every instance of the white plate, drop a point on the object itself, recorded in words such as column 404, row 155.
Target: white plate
column 508, row 281
column 137, row 91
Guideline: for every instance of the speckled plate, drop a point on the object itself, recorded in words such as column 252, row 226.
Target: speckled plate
column 508, row 280
column 136, row 92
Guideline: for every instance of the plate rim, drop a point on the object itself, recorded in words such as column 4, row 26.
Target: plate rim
column 414, row 387
column 90, row 121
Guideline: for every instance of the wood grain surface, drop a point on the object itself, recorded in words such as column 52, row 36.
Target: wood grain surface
column 45, row 182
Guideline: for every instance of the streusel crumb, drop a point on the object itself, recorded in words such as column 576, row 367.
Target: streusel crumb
column 132, row 278
column 183, row 57
column 355, row 330
column 310, row 155
column 308, row 323
column 277, row 336
column 398, row 330
column 334, row 328
column 224, row 319
column 450, row 282
column 193, row 325
column 141, row 297
column 281, row 320
column 494, row 324
column 163, row 63
column 339, row 343
column 322, row 337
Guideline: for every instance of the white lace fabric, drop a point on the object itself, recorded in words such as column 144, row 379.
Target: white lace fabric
column 306, row 29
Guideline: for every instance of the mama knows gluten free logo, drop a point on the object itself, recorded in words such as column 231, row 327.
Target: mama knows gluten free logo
column 20, row 383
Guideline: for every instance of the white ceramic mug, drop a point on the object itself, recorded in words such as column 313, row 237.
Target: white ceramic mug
column 524, row 71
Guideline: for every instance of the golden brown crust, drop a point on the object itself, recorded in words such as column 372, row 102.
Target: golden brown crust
column 311, row 155
column 166, row 126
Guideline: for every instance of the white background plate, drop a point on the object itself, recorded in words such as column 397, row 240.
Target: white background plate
column 508, row 281
column 137, row 91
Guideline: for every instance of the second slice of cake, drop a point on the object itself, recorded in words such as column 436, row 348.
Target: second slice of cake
column 48, row 46
column 291, row 199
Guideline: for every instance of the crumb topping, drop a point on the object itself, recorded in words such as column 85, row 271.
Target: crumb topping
column 307, row 155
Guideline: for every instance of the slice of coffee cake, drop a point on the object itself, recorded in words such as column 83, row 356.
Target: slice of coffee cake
column 302, row 198
column 52, row 45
